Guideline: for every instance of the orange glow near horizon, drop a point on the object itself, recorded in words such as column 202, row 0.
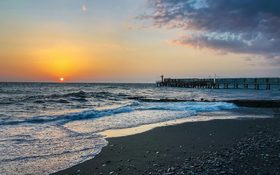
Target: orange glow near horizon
column 98, row 44
column 67, row 61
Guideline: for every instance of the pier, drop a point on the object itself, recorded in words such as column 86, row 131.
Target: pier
column 222, row 83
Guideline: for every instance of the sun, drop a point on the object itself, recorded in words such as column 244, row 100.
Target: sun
column 61, row 79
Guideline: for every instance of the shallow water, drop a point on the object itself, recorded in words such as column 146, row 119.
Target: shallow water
column 48, row 127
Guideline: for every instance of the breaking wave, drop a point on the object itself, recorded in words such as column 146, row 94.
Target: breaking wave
column 135, row 106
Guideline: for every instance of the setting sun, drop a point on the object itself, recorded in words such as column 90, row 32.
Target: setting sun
column 199, row 76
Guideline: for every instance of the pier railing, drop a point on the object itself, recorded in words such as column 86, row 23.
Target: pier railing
column 223, row 83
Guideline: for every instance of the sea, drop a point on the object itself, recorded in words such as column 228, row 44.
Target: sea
column 47, row 127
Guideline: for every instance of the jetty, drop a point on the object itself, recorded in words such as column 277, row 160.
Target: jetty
column 222, row 83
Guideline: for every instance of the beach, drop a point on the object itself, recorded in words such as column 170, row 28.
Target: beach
column 233, row 146
column 135, row 129
column 139, row 87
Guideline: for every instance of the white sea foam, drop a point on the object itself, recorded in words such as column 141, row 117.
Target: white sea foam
column 48, row 127
column 51, row 142
column 146, row 113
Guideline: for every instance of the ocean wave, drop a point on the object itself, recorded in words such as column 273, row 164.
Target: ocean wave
column 193, row 106
column 43, row 156
column 61, row 119
column 81, row 96
column 135, row 106
column 63, row 98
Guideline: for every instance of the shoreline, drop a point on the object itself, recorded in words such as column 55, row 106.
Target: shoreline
column 237, row 102
column 157, row 150
column 247, row 113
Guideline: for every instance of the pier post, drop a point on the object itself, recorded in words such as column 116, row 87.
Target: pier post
column 257, row 86
column 162, row 78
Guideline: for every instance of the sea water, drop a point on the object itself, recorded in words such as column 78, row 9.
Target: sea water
column 47, row 127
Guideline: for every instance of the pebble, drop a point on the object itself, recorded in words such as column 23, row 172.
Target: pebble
column 232, row 160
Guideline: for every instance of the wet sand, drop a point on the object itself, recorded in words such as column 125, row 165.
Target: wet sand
column 238, row 146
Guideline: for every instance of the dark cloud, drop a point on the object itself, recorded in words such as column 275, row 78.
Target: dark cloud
column 239, row 26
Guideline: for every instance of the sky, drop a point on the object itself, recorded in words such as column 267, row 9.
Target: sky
column 139, row 40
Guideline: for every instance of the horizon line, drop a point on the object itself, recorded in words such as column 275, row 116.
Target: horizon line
column 148, row 82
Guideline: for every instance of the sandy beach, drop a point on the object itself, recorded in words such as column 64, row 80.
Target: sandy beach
column 235, row 146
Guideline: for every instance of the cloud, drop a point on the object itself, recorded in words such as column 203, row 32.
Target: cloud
column 84, row 8
column 238, row 26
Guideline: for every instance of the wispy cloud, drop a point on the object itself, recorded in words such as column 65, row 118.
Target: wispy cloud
column 237, row 26
column 84, row 8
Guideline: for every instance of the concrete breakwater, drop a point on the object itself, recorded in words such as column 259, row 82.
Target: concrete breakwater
column 223, row 83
